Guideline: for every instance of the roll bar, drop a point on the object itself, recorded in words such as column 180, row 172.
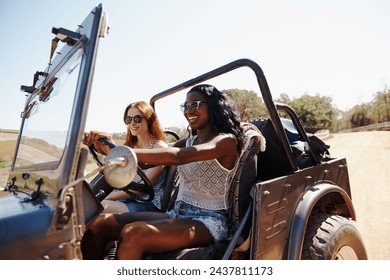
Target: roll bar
column 264, row 89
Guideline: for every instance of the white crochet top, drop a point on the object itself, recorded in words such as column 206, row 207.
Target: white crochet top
column 204, row 184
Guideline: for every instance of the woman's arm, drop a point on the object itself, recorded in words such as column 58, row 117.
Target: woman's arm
column 223, row 148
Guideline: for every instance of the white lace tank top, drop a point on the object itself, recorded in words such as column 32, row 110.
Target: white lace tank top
column 204, row 184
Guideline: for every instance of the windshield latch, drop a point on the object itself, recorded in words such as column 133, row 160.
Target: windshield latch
column 12, row 187
column 38, row 192
column 32, row 88
column 64, row 35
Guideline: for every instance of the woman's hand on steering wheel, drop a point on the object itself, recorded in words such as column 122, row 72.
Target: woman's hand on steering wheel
column 97, row 139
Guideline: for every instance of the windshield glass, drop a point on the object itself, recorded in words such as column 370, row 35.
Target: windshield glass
column 47, row 114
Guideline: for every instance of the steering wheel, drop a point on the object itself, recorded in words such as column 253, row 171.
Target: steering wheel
column 138, row 191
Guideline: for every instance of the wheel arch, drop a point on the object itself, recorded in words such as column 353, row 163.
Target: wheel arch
column 324, row 197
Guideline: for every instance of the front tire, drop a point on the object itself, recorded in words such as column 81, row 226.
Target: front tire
column 332, row 237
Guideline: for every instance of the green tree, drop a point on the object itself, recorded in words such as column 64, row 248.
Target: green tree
column 379, row 110
column 316, row 112
column 247, row 103
column 359, row 115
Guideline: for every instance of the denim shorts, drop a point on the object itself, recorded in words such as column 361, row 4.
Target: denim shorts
column 216, row 221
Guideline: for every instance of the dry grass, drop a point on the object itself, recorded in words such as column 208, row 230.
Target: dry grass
column 7, row 150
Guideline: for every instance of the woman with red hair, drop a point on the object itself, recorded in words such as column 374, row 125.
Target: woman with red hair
column 144, row 131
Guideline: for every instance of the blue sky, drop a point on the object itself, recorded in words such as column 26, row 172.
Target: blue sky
column 336, row 48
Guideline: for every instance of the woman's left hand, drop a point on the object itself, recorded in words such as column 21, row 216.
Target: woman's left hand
column 93, row 138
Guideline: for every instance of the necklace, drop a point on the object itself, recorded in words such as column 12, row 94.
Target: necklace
column 151, row 142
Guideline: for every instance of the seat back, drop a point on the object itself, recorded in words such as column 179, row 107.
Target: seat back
column 170, row 187
column 244, row 177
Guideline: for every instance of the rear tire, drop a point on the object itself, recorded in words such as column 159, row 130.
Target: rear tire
column 332, row 237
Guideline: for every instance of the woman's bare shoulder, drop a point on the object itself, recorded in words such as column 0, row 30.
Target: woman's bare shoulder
column 226, row 137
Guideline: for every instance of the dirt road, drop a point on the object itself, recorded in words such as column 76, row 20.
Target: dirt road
column 368, row 159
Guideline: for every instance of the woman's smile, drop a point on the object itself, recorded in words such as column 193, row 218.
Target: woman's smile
column 192, row 119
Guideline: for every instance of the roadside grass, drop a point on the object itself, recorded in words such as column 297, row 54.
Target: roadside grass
column 7, row 149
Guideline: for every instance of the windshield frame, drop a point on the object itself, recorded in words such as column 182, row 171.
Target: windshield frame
column 57, row 174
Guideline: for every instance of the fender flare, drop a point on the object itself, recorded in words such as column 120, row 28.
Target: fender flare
column 302, row 213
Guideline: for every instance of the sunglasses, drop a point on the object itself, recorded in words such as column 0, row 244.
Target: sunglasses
column 137, row 119
column 193, row 106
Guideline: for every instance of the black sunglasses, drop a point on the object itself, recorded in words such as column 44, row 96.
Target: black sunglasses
column 137, row 119
column 193, row 106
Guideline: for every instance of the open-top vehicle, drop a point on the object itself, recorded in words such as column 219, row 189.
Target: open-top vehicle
column 289, row 201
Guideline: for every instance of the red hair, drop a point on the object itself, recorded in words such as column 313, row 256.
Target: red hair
column 154, row 126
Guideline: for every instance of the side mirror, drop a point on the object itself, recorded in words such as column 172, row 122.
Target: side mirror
column 122, row 166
